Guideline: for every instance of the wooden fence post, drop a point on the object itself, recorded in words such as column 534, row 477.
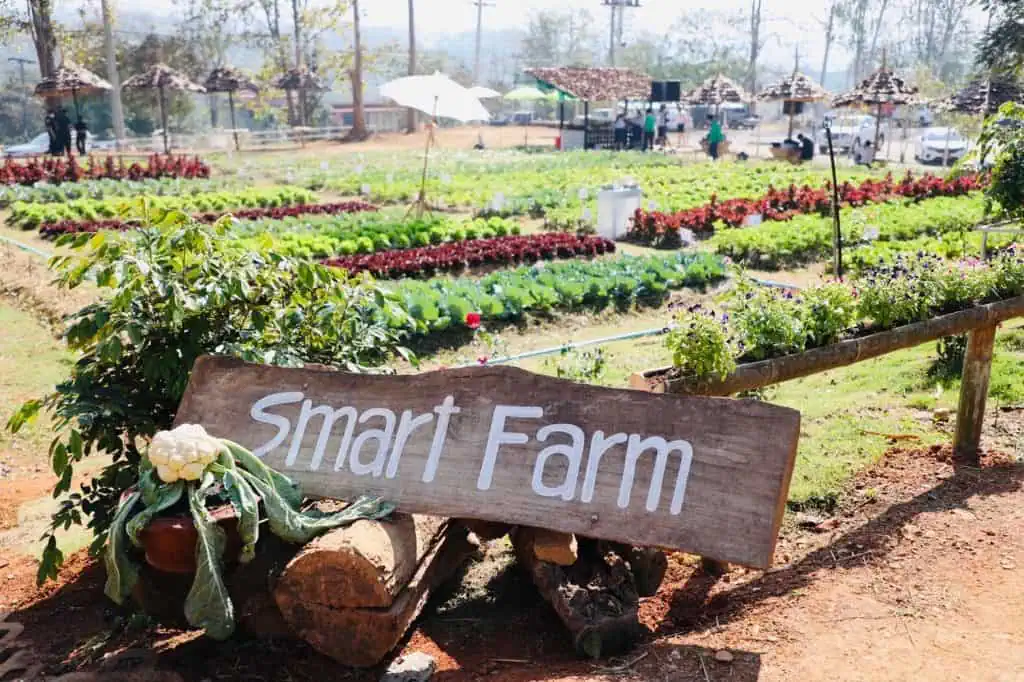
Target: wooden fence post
column 973, row 391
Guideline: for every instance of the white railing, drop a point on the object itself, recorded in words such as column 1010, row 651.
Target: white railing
column 223, row 139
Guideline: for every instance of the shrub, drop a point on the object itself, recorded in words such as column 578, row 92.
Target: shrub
column 177, row 291
column 701, row 345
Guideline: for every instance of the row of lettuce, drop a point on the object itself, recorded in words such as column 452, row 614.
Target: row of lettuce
column 759, row 323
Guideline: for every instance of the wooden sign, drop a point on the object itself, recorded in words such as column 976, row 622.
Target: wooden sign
column 703, row 475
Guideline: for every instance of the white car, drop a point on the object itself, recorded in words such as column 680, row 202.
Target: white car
column 40, row 144
column 940, row 145
column 849, row 132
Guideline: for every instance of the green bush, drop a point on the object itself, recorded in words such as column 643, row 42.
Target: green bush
column 176, row 291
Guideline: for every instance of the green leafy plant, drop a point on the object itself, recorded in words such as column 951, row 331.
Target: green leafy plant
column 701, row 345
column 1003, row 144
column 768, row 322
column 828, row 311
column 586, row 366
column 187, row 468
column 176, row 291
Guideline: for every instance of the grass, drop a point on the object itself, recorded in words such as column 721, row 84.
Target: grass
column 847, row 413
column 31, row 363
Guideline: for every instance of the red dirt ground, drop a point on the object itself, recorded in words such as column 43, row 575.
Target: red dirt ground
column 918, row 576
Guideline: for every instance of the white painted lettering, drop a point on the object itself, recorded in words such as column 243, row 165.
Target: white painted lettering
column 383, row 438
column 444, row 412
column 662, row 448
column 406, row 425
column 258, row 413
column 573, row 452
column 599, row 445
column 329, row 416
column 498, row 437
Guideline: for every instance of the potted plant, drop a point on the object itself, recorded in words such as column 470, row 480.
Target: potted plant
column 198, row 504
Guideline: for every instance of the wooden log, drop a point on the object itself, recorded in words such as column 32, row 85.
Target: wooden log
column 364, row 636
column 366, row 564
column 973, row 392
column 596, row 598
column 549, row 545
column 757, row 374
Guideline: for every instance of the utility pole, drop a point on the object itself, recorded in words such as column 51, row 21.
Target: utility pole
column 112, row 75
column 617, row 20
column 21, row 62
column 480, row 4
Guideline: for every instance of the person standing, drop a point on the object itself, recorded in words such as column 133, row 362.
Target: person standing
column 620, row 131
column 81, row 133
column 715, row 138
column 51, row 131
column 636, row 130
column 663, row 126
column 63, row 124
column 650, row 129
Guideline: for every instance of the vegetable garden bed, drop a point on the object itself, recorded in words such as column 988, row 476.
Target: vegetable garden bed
column 58, row 170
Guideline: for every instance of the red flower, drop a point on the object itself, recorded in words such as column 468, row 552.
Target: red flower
column 473, row 320
column 482, row 360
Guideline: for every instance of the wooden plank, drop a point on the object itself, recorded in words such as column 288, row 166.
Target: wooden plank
column 704, row 475
column 757, row 374
column 973, row 392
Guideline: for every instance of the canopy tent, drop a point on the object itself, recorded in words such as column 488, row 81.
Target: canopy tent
column 983, row 96
column 230, row 80
column 71, row 79
column 879, row 89
column 795, row 88
column 436, row 95
column 301, row 80
column 597, row 84
column 480, row 92
column 161, row 77
column 527, row 93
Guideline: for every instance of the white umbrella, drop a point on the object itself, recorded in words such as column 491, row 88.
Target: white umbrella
column 436, row 95
column 480, row 92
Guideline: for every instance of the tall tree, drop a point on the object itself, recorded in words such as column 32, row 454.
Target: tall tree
column 830, row 34
column 358, row 131
column 1002, row 46
column 410, row 121
column 755, row 44
column 113, row 77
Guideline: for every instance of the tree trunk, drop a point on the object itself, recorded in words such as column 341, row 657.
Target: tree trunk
column 364, row 636
column 410, row 121
column 358, row 131
column 301, row 96
column 829, row 37
column 755, row 45
column 45, row 40
column 877, row 29
column 366, row 564
column 116, row 112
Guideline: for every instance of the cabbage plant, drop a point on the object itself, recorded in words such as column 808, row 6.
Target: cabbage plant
column 188, row 468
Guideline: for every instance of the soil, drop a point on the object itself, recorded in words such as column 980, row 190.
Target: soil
column 918, row 575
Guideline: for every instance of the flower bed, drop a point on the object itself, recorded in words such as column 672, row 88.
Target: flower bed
column 662, row 229
column 443, row 303
column 462, row 255
column 45, row 193
column 59, row 169
column 51, row 230
column 809, row 238
column 762, row 324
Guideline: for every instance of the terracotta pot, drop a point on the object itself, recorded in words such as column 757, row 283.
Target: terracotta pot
column 170, row 541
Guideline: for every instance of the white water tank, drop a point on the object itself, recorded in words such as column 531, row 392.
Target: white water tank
column 615, row 209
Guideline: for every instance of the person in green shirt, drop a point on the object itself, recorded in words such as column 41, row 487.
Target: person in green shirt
column 650, row 129
column 715, row 137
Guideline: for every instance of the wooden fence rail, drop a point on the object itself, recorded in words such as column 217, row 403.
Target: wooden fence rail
column 980, row 322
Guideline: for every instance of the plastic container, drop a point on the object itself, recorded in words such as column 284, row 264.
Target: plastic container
column 615, row 209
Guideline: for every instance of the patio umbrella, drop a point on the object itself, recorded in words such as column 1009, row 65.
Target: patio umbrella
column 880, row 88
column 527, row 93
column 436, row 95
column 71, row 79
column 480, row 92
column 301, row 80
column 230, row 80
column 161, row 78
column 715, row 92
column 795, row 88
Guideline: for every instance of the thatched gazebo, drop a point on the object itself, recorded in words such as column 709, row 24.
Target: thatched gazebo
column 161, row 78
column 795, row 88
column 71, row 79
column 301, row 80
column 983, row 96
column 230, row 80
column 880, row 88
column 716, row 91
